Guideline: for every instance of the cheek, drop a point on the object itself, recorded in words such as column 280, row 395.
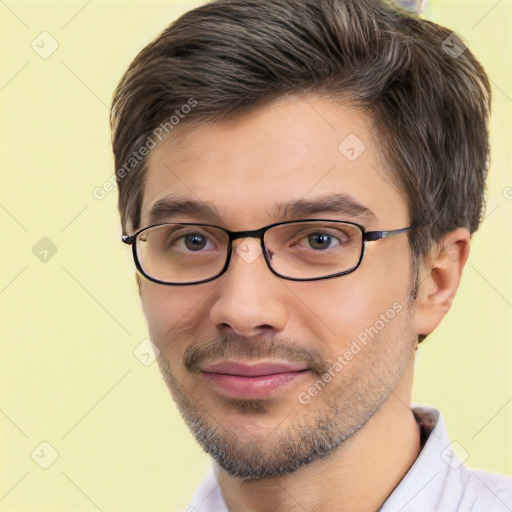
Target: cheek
column 346, row 304
column 342, row 309
column 168, row 310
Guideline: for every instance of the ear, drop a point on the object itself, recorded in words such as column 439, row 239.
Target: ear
column 439, row 276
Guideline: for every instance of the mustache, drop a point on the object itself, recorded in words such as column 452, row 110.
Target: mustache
column 226, row 347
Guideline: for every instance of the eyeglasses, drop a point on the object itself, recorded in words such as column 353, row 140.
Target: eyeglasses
column 304, row 250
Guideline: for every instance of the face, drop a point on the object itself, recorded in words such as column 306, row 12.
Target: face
column 268, row 373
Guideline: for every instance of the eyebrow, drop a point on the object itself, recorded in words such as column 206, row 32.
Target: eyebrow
column 167, row 208
column 339, row 204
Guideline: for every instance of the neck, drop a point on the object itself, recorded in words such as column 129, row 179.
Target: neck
column 358, row 477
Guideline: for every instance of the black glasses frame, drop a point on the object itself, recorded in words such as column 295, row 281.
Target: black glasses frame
column 367, row 236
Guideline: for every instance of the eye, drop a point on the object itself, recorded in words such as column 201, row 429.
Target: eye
column 320, row 240
column 194, row 242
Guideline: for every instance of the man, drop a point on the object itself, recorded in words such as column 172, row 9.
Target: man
column 299, row 181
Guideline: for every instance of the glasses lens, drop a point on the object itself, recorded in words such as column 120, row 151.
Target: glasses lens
column 181, row 253
column 308, row 250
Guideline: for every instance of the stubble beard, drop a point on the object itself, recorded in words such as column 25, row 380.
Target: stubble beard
column 307, row 432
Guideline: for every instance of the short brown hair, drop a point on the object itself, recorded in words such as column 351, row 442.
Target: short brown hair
column 430, row 106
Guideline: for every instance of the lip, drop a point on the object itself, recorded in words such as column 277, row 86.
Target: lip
column 242, row 380
column 253, row 369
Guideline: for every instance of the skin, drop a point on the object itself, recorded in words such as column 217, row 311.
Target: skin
column 289, row 150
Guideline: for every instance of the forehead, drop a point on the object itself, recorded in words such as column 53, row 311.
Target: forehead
column 249, row 169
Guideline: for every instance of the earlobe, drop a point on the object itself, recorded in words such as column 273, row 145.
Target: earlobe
column 440, row 272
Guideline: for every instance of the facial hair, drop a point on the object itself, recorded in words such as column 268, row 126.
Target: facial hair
column 315, row 430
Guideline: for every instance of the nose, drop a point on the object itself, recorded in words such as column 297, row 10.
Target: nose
column 249, row 300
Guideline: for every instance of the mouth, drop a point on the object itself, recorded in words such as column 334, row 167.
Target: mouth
column 250, row 380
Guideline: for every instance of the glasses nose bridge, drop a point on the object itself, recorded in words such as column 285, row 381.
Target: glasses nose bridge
column 256, row 233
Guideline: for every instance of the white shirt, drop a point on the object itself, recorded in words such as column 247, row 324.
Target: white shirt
column 437, row 481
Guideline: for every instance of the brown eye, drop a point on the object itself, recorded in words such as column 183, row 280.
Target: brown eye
column 194, row 242
column 320, row 241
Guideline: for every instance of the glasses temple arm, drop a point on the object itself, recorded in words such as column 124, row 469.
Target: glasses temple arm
column 371, row 236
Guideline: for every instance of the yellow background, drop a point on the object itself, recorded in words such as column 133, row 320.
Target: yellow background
column 70, row 325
